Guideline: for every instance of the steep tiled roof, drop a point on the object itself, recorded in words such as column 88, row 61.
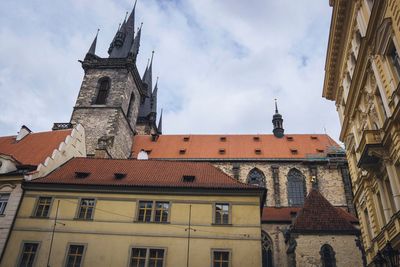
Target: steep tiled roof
column 295, row 146
column 142, row 173
column 34, row 148
column 318, row 215
column 284, row 214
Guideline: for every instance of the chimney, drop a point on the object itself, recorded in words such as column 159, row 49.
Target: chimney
column 24, row 131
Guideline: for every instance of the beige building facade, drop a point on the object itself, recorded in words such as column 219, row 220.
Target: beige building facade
column 175, row 214
column 362, row 77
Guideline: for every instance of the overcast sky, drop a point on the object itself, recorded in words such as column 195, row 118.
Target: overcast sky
column 221, row 62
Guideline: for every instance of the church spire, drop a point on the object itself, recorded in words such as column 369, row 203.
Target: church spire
column 92, row 49
column 122, row 43
column 277, row 121
column 159, row 127
column 154, row 98
column 147, row 76
column 136, row 43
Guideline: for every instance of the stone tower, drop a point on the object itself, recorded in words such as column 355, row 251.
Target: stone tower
column 277, row 121
column 112, row 94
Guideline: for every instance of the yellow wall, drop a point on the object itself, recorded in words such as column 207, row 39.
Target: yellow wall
column 114, row 230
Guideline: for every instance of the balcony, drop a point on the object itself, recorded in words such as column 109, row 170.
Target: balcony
column 370, row 148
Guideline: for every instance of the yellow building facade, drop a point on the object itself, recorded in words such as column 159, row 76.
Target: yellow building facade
column 362, row 77
column 171, row 223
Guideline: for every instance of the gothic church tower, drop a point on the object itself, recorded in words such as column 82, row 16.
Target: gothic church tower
column 112, row 95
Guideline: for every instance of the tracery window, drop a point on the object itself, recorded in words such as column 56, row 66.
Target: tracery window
column 256, row 177
column 267, row 252
column 327, row 256
column 296, row 188
column 104, row 87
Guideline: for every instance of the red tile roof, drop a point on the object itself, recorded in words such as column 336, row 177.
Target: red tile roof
column 34, row 148
column 283, row 214
column 142, row 173
column 318, row 215
column 235, row 146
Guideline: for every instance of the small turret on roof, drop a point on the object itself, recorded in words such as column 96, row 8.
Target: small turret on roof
column 92, row 49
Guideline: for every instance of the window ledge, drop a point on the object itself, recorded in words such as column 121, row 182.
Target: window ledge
column 81, row 219
column 152, row 222
column 222, row 224
column 39, row 217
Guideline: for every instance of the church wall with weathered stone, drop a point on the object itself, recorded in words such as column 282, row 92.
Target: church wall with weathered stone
column 330, row 181
column 309, row 246
column 275, row 232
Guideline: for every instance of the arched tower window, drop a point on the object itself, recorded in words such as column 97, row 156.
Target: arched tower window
column 296, row 188
column 130, row 107
column 267, row 250
column 327, row 256
column 256, row 177
column 104, row 87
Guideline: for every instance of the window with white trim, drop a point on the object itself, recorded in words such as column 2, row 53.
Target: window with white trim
column 75, row 256
column 153, row 211
column 147, row 257
column 221, row 215
column 221, row 258
column 28, row 254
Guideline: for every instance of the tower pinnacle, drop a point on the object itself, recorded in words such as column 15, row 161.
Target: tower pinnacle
column 277, row 121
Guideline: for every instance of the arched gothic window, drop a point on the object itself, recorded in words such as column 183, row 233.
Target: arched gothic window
column 267, row 251
column 104, row 87
column 327, row 256
column 296, row 188
column 256, row 177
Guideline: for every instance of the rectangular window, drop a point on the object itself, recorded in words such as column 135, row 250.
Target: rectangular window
column 86, row 208
column 368, row 223
column 222, row 213
column 28, row 254
column 145, row 209
column 43, row 207
column 3, row 202
column 161, row 212
column 153, row 211
column 147, row 257
column 395, row 60
column 75, row 256
column 221, row 258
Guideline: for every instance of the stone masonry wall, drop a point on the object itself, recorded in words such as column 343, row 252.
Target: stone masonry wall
column 275, row 232
column 108, row 120
column 330, row 181
column 347, row 253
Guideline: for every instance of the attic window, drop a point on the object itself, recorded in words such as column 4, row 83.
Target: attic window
column 257, row 151
column 221, row 151
column 81, row 175
column 256, row 138
column 320, row 150
column 186, row 139
column 119, row 176
column 188, row 178
column 294, row 151
column 313, row 137
column 222, row 139
column 182, row 151
column 289, row 138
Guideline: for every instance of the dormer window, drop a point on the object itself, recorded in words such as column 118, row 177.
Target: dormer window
column 182, row 151
column 294, row 151
column 186, row 139
column 313, row 137
column 257, row 151
column 289, row 138
column 222, row 139
column 320, row 150
column 222, row 151
column 81, row 175
column 119, row 176
column 104, row 87
column 256, row 138
column 188, row 178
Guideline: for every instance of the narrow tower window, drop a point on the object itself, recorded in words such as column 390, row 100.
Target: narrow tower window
column 104, row 87
column 130, row 107
column 327, row 256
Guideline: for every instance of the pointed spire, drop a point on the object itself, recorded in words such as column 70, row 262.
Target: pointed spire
column 159, row 127
column 131, row 19
column 147, row 76
column 92, row 49
column 154, row 98
column 136, row 43
column 276, row 107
